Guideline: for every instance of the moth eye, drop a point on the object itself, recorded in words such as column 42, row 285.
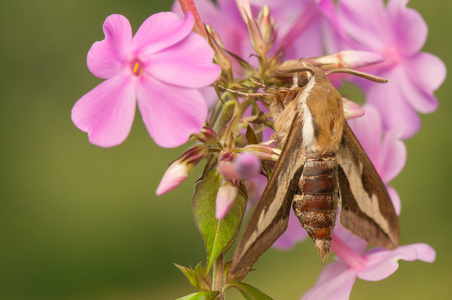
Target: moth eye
column 302, row 81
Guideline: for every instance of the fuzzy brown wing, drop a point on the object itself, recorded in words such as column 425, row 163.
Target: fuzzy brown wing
column 366, row 209
column 271, row 215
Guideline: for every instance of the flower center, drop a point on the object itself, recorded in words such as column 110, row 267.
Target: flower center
column 137, row 67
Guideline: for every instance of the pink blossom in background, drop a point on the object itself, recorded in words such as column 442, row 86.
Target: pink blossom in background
column 225, row 19
column 293, row 234
column 337, row 278
column 161, row 68
column 247, row 165
column 399, row 33
column 301, row 25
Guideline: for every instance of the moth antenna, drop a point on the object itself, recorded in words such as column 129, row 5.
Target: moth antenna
column 257, row 82
column 358, row 74
column 242, row 93
column 278, row 98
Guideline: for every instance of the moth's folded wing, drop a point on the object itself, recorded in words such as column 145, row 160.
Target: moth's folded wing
column 270, row 217
column 366, row 209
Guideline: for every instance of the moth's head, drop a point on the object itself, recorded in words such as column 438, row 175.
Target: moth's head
column 304, row 73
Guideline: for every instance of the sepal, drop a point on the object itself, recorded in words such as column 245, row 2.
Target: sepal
column 198, row 277
column 207, row 136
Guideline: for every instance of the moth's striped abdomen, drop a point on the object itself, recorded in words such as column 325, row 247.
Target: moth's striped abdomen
column 315, row 204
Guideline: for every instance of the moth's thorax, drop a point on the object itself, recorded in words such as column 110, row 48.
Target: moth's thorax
column 317, row 107
column 322, row 114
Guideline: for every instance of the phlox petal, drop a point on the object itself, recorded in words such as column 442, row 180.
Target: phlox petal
column 422, row 74
column 186, row 64
column 393, row 156
column 107, row 111
column 106, row 58
column 352, row 241
column 427, row 71
column 368, row 131
column 366, row 21
column 335, row 282
column 381, row 263
column 294, row 234
column 400, row 115
column 170, row 113
column 395, row 198
column 413, row 94
column 311, row 33
column 160, row 31
column 408, row 26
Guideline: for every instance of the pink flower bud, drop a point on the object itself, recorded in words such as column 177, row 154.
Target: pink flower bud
column 254, row 31
column 221, row 57
column 225, row 199
column 247, row 166
column 267, row 26
column 207, row 136
column 351, row 109
column 180, row 168
column 264, row 152
column 176, row 173
column 346, row 59
column 228, row 171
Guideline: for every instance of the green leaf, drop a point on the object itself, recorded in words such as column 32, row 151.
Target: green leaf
column 248, row 292
column 251, row 136
column 203, row 278
column 217, row 234
column 190, row 274
column 201, row 296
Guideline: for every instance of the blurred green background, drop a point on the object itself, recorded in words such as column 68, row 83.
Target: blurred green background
column 82, row 222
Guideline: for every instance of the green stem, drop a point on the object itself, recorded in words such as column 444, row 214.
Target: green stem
column 218, row 276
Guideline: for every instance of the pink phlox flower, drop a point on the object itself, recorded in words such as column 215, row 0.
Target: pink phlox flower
column 399, row 33
column 225, row 19
column 161, row 67
column 293, row 234
column 305, row 26
column 337, row 278
column 386, row 150
column 255, row 187
column 301, row 26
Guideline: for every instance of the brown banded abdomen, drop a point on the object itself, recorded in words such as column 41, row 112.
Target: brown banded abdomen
column 316, row 203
